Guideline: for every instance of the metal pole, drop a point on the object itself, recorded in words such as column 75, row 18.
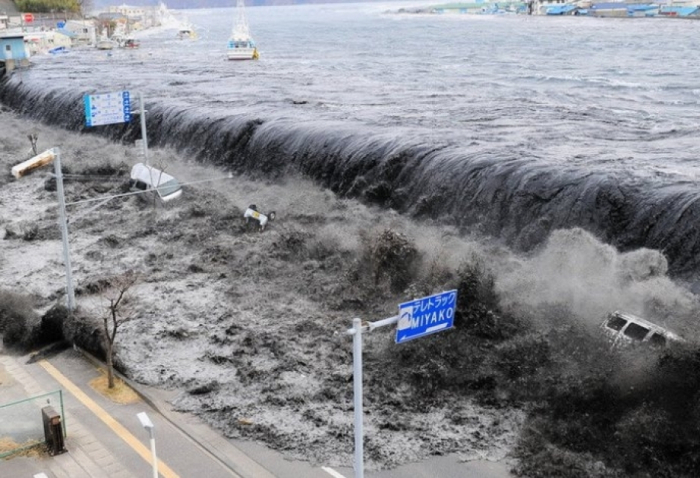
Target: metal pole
column 357, row 391
column 153, row 452
column 64, row 230
column 144, row 137
column 63, row 413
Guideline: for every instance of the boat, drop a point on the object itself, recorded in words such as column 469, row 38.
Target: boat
column 241, row 45
column 131, row 42
column 59, row 50
column 186, row 32
column 105, row 43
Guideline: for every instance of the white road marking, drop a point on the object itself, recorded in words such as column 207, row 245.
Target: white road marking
column 332, row 472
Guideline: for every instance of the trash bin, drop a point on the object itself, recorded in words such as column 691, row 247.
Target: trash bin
column 53, row 431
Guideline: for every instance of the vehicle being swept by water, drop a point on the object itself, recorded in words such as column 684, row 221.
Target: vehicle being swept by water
column 147, row 178
column 627, row 329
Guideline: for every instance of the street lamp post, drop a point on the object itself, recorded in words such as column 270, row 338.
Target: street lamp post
column 148, row 425
column 64, row 229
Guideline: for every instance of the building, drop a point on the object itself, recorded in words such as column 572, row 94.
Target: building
column 128, row 11
column 13, row 51
column 39, row 42
column 84, row 30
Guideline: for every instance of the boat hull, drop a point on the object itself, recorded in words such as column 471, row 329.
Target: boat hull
column 186, row 35
column 241, row 53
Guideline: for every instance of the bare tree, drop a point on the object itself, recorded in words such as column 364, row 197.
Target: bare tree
column 118, row 313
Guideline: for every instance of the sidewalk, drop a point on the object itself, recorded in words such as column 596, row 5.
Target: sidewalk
column 87, row 456
column 105, row 439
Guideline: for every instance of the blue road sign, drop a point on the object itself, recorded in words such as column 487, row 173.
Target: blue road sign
column 107, row 108
column 426, row 316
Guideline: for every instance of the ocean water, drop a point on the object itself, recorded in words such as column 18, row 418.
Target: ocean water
column 509, row 126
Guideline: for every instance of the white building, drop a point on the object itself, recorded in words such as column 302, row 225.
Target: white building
column 41, row 42
column 128, row 11
column 84, row 30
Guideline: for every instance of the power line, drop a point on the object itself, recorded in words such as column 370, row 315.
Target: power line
column 132, row 193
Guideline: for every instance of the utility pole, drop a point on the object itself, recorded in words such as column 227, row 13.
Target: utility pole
column 63, row 222
column 144, row 137
column 356, row 332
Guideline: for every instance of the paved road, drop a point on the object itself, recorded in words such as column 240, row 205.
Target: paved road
column 105, row 439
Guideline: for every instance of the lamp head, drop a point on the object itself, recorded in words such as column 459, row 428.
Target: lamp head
column 145, row 421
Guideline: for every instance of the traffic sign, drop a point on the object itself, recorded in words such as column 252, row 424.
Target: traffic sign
column 426, row 316
column 107, row 108
column 28, row 17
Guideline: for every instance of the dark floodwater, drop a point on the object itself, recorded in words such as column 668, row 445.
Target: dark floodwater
column 510, row 126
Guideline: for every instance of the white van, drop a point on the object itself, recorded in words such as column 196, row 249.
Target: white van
column 624, row 329
column 146, row 178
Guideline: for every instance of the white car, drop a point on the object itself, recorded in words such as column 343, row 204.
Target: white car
column 147, row 178
column 624, row 329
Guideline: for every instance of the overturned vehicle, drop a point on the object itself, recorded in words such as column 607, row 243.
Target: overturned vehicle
column 627, row 329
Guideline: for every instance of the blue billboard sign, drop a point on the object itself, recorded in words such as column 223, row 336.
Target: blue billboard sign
column 426, row 316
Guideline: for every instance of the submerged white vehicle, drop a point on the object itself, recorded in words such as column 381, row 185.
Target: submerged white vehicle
column 627, row 329
column 253, row 213
column 145, row 178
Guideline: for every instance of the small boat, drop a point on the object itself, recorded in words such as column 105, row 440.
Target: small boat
column 59, row 50
column 131, row 43
column 105, row 43
column 240, row 44
column 186, row 32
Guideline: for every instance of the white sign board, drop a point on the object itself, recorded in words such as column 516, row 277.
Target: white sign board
column 107, row 108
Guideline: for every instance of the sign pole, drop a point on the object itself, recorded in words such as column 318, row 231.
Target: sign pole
column 64, row 230
column 417, row 318
column 357, row 392
column 144, row 137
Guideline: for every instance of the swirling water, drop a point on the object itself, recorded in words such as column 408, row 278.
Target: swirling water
column 509, row 125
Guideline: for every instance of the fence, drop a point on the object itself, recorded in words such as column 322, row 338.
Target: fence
column 21, row 423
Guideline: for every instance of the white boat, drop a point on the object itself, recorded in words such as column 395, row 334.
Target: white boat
column 105, row 43
column 186, row 32
column 240, row 44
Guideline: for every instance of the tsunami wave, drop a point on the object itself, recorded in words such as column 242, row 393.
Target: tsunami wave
column 518, row 200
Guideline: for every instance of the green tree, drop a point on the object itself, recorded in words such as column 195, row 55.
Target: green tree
column 48, row 6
